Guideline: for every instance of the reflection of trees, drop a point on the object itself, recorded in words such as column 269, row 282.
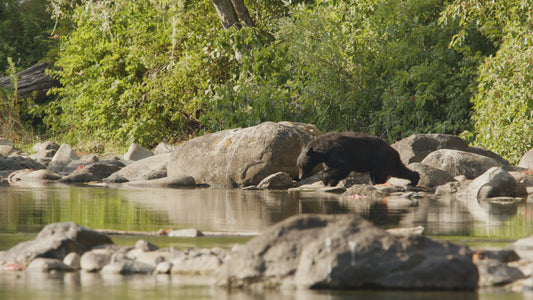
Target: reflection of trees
column 29, row 209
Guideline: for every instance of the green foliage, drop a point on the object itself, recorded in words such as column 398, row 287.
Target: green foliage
column 24, row 32
column 503, row 104
column 383, row 67
column 137, row 71
column 148, row 70
column 12, row 108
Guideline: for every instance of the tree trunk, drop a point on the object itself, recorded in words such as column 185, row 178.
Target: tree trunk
column 32, row 80
column 226, row 13
column 243, row 13
column 230, row 11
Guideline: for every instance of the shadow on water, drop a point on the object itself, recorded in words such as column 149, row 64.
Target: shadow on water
column 24, row 211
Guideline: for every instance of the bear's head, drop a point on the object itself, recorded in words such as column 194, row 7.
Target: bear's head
column 307, row 160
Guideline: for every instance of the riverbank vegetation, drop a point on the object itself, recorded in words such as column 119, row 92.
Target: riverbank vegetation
column 148, row 71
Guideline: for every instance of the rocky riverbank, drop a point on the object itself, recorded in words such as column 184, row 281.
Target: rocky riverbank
column 309, row 251
column 305, row 251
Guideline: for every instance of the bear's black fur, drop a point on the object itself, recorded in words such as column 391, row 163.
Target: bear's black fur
column 342, row 153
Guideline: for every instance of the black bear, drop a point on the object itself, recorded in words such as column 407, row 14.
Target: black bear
column 344, row 152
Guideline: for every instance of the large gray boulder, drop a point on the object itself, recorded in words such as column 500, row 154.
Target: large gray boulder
column 458, row 162
column 242, row 156
column 56, row 240
column 347, row 252
column 416, row 147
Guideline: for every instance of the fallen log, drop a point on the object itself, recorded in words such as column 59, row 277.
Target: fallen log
column 33, row 80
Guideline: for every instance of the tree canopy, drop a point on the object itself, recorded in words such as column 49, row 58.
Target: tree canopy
column 146, row 71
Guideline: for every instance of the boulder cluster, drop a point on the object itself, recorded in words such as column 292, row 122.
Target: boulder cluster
column 304, row 251
column 310, row 251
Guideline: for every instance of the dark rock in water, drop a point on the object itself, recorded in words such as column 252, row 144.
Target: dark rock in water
column 79, row 178
column 55, row 241
column 92, row 172
column 19, row 163
column 347, row 252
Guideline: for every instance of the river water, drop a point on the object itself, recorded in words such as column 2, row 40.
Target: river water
column 24, row 211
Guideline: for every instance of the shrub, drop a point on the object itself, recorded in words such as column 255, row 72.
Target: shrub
column 503, row 104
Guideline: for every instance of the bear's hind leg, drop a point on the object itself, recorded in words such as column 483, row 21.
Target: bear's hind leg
column 379, row 177
column 332, row 176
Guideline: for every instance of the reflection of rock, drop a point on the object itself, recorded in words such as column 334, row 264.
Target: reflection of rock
column 491, row 196
column 217, row 210
column 344, row 251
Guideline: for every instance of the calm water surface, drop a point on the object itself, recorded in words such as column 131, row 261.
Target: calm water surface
column 24, row 211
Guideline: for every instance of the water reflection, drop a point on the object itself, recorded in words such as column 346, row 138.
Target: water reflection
column 81, row 285
column 24, row 209
column 28, row 209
